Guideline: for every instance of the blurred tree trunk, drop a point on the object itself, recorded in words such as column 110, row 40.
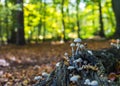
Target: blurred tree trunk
column 101, row 33
column 40, row 24
column 63, row 22
column 0, row 31
column 116, row 9
column 77, row 16
column 12, row 38
column 44, row 23
column 20, row 40
column 6, row 21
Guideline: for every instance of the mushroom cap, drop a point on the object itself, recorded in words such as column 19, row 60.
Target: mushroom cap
column 74, row 78
column 118, row 40
column 77, row 40
column 66, row 54
column 58, row 64
column 87, row 82
column 90, row 52
column 37, row 77
column 78, row 44
column 72, row 44
column 45, row 74
column 94, row 83
column 78, row 60
column 71, row 68
column 82, row 46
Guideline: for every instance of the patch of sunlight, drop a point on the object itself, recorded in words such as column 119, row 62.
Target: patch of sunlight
column 49, row 36
column 72, row 35
column 41, row 37
column 82, row 5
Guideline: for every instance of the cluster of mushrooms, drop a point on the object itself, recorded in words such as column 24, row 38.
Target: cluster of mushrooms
column 82, row 68
column 116, row 44
column 77, row 63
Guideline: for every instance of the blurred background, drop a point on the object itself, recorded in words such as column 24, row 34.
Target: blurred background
column 35, row 21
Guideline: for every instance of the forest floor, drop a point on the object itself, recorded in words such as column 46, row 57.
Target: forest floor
column 19, row 65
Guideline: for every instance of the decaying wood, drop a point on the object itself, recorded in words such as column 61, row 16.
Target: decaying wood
column 100, row 64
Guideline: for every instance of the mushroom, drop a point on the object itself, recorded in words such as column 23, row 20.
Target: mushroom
column 94, row 83
column 72, row 45
column 85, row 62
column 77, row 40
column 71, row 68
column 82, row 47
column 78, row 60
column 112, row 44
column 117, row 45
column 87, row 82
column 45, row 74
column 58, row 64
column 37, row 77
column 90, row 52
column 66, row 55
column 75, row 78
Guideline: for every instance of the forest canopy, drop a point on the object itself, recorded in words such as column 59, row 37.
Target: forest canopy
column 56, row 19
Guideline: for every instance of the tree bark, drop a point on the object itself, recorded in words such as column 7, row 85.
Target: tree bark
column 116, row 9
column 44, row 23
column 6, row 21
column 20, row 24
column 101, row 33
column 63, row 22
column 77, row 16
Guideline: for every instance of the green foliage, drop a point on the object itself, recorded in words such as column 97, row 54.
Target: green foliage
column 40, row 17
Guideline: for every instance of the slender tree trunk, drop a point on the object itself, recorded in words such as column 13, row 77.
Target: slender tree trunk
column 44, row 23
column 63, row 22
column 20, row 24
column 116, row 9
column 77, row 16
column 39, row 25
column 101, row 33
column 0, row 32
column 6, row 21
column 12, row 38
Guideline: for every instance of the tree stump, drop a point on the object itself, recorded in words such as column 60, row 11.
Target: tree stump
column 87, row 68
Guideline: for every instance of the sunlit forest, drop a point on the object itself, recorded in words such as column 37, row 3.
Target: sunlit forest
column 40, row 20
column 59, row 42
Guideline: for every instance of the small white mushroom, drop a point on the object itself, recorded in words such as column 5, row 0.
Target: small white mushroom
column 85, row 62
column 78, row 60
column 37, row 77
column 75, row 78
column 117, row 43
column 57, row 64
column 94, row 83
column 72, row 45
column 82, row 47
column 77, row 40
column 87, row 82
column 90, row 52
column 112, row 44
column 71, row 67
column 45, row 74
column 66, row 55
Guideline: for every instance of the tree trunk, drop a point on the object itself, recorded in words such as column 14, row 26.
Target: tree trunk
column 116, row 9
column 44, row 23
column 77, row 16
column 100, row 66
column 63, row 22
column 20, row 24
column 6, row 21
column 101, row 33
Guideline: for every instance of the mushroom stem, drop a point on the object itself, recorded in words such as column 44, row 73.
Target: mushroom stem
column 77, row 50
column 117, row 45
column 73, row 52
